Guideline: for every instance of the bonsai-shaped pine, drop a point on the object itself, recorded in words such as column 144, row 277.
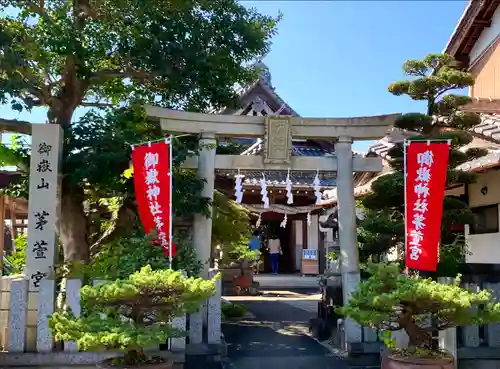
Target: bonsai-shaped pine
column 132, row 315
column 383, row 225
column 390, row 301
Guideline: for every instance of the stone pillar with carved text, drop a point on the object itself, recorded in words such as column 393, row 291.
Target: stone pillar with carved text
column 349, row 256
column 202, row 227
column 43, row 210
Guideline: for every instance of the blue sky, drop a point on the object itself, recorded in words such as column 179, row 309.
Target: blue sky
column 336, row 58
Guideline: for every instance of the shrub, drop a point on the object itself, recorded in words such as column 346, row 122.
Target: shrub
column 133, row 314
column 389, row 301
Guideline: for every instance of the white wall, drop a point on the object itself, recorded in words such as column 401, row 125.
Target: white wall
column 487, row 37
column 484, row 248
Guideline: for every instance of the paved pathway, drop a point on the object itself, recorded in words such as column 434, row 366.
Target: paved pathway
column 277, row 335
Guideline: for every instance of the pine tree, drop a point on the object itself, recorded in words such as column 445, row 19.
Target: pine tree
column 391, row 301
column 132, row 314
column 431, row 81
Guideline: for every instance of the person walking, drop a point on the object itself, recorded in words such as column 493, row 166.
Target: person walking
column 274, row 246
column 254, row 245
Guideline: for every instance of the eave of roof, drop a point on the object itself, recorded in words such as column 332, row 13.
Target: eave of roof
column 475, row 18
column 483, row 105
column 7, row 177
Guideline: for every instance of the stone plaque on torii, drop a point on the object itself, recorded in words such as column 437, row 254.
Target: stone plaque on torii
column 278, row 132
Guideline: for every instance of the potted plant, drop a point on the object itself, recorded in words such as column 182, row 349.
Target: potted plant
column 132, row 315
column 390, row 300
column 237, row 264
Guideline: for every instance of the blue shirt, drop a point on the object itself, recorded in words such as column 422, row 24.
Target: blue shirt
column 254, row 244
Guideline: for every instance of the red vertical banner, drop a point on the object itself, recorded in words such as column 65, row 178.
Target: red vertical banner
column 153, row 191
column 425, row 169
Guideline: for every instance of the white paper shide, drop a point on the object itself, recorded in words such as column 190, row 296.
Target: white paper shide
column 317, row 188
column 238, row 188
column 284, row 221
column 288, row 185
column 263, row 191
column 425, row 161
column 43, row 209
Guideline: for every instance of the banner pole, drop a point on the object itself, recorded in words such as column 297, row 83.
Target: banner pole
column 170, row 226
column 405, row 143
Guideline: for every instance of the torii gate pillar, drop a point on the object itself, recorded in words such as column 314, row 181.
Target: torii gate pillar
column 349, row 258
column 202, row 226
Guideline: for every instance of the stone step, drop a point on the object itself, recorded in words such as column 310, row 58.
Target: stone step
column 286, row 281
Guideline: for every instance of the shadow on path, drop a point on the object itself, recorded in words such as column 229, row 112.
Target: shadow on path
column 276, row 338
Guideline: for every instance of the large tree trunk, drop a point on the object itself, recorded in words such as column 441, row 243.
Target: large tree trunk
column 73, row 224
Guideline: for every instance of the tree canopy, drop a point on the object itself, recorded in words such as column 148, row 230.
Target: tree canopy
column 62, row 55
column 182, row 54
column 431, row 80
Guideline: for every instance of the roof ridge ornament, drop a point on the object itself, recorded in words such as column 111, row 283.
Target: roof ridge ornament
column 265, row 73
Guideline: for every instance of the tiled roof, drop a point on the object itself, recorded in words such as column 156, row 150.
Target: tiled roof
column 489, row 126
column 299, row 148
column 331, row 195
column 382, row 146
column 491, row 159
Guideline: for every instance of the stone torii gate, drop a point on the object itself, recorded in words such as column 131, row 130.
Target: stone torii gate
column 277, row 133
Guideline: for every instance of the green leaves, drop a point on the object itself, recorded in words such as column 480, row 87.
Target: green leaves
column 186, row 55
column 132, row 314
column 62, row 55
column 230, row 230
column 388, row 300
column 128, row 253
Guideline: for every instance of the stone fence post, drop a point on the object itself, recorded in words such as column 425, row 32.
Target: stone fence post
column 448, row 337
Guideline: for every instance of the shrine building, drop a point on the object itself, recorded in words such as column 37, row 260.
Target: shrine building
column 301, row 230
